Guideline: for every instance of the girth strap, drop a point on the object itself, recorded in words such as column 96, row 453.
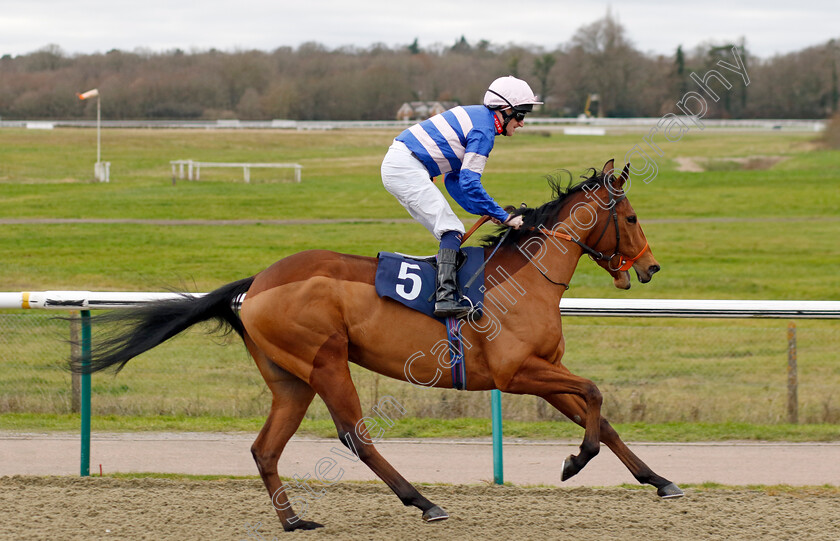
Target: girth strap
column 456, row 354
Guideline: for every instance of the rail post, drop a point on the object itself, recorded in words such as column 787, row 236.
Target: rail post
column 792, row 377
column 496, row 415
column 76, row 355
column 85, row 455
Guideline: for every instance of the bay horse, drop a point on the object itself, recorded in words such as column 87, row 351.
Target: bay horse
column 307, row 316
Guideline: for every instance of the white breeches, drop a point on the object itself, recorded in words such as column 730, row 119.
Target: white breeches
column 407, row 179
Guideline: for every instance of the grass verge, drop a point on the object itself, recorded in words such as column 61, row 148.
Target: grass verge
column 410, row 427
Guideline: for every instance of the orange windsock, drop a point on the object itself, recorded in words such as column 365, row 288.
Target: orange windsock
column 89, row 94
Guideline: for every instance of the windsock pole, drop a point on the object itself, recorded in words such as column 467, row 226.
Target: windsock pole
column 95, row 94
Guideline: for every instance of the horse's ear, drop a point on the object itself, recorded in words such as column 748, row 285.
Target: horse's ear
column 608, row 169
column 625, row 175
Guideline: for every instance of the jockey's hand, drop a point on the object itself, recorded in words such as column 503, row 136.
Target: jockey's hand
column 513, row 221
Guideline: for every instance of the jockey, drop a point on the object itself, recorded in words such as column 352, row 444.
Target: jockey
column 456, row 144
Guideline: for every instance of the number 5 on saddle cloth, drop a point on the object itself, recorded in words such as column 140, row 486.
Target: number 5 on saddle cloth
column 411, row 281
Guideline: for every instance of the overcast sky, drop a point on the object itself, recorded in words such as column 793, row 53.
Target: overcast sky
column 655, row 26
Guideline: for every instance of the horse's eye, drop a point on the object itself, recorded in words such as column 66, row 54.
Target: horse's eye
column 631, row 219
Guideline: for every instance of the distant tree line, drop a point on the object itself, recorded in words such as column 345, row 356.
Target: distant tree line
column 312, row 82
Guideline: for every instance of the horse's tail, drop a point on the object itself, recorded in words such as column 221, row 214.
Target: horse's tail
column 132, row 332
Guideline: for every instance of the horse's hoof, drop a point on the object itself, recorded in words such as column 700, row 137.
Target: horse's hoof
column 304, row 525
column 670, row 491
column 569, row 469
column 435, row 513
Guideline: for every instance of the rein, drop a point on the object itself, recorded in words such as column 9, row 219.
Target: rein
column 486, row 261
column 624, row 263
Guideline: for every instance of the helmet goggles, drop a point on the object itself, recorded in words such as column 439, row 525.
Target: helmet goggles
column 520, row 112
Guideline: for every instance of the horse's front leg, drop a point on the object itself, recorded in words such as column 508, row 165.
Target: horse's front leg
column 537, row 376
column 574, row 408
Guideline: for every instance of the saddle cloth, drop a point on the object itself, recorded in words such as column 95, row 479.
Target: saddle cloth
column 411, row 281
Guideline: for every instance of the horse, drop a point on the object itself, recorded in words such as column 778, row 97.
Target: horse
column 307, row 316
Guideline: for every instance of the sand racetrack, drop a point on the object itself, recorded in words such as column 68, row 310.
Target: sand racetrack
column 41, row 496
column 238, row 509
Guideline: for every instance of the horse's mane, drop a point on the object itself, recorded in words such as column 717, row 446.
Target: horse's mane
column 546, row 213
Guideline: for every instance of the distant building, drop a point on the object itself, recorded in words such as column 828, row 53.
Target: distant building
column 421, row 110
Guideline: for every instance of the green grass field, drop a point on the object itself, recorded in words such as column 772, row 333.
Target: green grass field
column 727, row 233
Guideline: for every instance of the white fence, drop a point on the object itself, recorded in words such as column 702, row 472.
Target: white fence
column 700, row 308
column 651, row 370
column 194, row 168
column 759, row 124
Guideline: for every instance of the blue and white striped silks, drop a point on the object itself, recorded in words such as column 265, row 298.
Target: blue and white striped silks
column 456, row 143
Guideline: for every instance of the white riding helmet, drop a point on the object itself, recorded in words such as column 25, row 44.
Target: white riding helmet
column 510, row 92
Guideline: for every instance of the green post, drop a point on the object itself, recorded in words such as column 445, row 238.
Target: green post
column 85, row 458
column 496, row 415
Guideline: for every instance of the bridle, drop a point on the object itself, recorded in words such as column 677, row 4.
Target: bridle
column 624, row 263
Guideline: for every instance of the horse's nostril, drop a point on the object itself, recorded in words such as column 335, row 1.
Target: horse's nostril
column 653, row 269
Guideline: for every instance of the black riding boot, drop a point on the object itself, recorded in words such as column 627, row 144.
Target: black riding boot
column 446, row 297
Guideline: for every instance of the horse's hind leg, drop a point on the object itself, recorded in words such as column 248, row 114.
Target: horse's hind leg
column 575, row 409
column 331, row 380
column 291, row 399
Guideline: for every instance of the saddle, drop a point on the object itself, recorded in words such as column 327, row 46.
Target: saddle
column 410, row 280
